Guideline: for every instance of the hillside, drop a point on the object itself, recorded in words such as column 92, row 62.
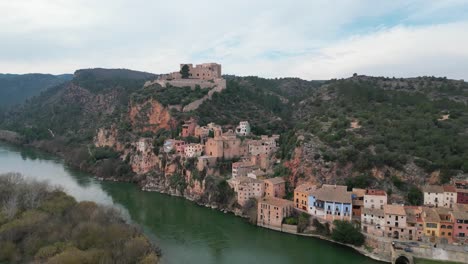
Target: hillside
column 385, row 132
column 362, row 131
column 15, row 88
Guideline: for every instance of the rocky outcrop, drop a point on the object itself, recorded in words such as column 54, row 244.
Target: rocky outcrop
column 149, row 116
column 142, row 158
column 108, row 138
column 10, row 136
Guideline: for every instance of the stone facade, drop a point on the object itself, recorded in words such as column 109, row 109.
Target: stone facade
column 226, row 146
column 271, row 211
column 193, row 150
column 247, row 188
column 275, row 187
column 375, row 199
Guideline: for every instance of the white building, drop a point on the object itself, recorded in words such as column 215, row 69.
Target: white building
column 395, row 221
column 375, row 199
column 440, row 196
column 193, row 150
column 243, row 129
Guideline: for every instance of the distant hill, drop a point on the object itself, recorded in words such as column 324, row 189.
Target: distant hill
column 16, row 88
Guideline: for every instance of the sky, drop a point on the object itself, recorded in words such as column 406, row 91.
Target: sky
column 310, row 39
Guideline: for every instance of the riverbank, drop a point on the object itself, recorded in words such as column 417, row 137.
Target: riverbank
column 235, row 212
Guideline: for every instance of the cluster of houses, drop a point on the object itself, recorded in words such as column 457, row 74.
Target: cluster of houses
column 442, row 219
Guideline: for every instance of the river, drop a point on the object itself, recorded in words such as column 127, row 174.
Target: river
column 185, row 232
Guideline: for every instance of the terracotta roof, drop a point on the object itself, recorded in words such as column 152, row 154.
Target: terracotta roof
column 244, row 179
column 276, row 201
column 449, row 188
column 394, row 209
column 373, row 211
column 376, row 192
column 430, row 215
column 412, row 213
column 460, row 215
column 433, row 189
column 333, row 193
column 275, row 180
column 305, row 187
column 462, row 190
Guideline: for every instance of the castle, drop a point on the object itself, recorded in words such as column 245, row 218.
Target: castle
column 204, row 71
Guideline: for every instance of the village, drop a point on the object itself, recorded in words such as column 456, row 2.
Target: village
column 442, row 220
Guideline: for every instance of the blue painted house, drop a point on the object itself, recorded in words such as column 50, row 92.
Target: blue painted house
column 331, row 202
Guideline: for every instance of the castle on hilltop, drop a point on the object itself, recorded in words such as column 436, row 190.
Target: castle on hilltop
column 204, row 71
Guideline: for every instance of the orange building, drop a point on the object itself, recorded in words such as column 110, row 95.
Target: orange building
column 301, row 195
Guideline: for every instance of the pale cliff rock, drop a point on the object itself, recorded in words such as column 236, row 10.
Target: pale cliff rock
column 143, row 159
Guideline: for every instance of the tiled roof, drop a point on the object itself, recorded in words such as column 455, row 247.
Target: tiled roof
column 333, row 193
column 276, row 201
column 430, row 215
column 449, row 188
column 373, row 211
column 375, row 192
column 433, row 189
column 244, row 179
column 460, row 207
column 275, row 180
column 460, row 215
column 305, row 187
column 394, row 209
column 359, row 192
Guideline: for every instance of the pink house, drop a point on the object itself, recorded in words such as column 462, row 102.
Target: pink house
column 460, row 228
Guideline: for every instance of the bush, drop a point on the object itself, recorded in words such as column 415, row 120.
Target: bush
column 346, row 232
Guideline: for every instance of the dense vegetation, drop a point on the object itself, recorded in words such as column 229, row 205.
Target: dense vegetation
column 15, row 89
column 39, row 223
column 266, row 103
column 346, row 232
column 170, row 95
column 394, row 126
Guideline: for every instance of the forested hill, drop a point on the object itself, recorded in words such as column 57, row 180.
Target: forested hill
column 15, row 88
column 362, row 131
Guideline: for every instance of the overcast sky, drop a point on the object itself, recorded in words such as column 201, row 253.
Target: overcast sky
column 303, row 38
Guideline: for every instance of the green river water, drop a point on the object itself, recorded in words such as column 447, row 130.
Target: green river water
column 186, row 232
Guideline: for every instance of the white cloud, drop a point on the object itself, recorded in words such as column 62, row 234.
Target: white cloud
column 309, row 39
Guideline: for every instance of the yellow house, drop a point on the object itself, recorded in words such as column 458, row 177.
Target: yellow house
column 431, row 221
column 301, row 195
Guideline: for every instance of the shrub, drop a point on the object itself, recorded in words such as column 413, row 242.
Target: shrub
column 346, row 232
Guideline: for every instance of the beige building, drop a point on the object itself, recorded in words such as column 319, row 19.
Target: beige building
column 395, row 221
column 275, row 187
column 271, row 211
column 247, row 188
column 226, row 146
column 193, row 150
column 373, row 221
column 256, row 174
column 375, row 199
column 264, row 146
column 414, row 222
column 242, row 168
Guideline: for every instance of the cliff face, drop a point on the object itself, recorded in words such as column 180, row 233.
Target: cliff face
column 143, row 159
column 108, row 138
column 149, row 116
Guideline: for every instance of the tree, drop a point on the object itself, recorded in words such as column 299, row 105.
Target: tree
column 185, row 71
column 346, row 232
column 302, row 222
column 415, row 196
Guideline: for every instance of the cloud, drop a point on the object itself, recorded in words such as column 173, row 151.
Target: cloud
column 308, row 39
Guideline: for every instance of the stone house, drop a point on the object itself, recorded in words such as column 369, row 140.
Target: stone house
column 375, row 199
column 460, row 229
column 373, row 221
column 193, row 150
column 242, row 168
column 174, row 145
column 395, row 221
column 450, row 196
column 271, row 211
column 301, row 195
column 226, row 146
column 188, row 128
column 446, row 225
column 256, row 174
column 206, row 162
column 247, row 188
column 414, row 222
column 275, row 187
